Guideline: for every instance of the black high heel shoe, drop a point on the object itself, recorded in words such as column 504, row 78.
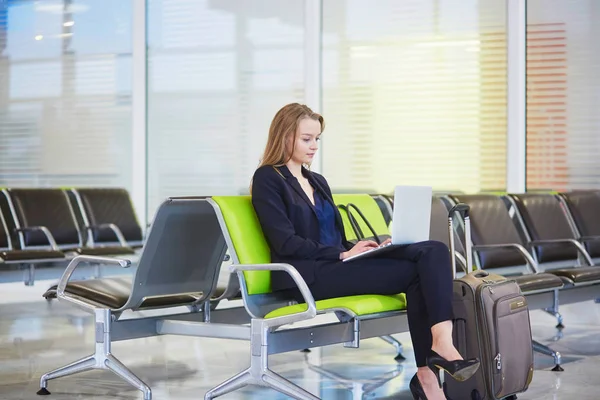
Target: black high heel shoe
column 460, row 370
column 416, row 389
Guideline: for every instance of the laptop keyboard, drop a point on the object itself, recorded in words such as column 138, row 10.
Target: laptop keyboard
column 369, row 251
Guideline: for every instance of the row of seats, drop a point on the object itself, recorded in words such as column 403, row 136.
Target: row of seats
column 525, row 235
column 179, row 266
column 544, row 231
column 52, row 225
column 182, row 258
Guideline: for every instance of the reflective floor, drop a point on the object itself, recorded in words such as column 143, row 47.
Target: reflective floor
column 36, row 336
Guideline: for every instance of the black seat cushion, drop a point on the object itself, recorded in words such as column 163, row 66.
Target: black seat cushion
column 114, row 293
column 534, row 282
column 111, row 292
column 104, row 251
column 585, row 209
column 101, row 251
column 111, row 206
column 578, row 274
column 491, row 224
column 56, row 215
column 120, row 295
column 30, row 255
column 545, row 219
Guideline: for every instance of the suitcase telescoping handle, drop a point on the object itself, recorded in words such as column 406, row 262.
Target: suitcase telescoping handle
column 463, row 210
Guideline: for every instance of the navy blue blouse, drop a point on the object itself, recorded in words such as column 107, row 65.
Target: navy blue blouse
column 329, row 234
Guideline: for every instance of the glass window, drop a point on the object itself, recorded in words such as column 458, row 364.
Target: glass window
column 563, row 122
column 65, row 93
column 218, row 71
column 414, row 92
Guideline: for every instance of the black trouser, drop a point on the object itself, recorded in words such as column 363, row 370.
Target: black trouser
column 421, row 270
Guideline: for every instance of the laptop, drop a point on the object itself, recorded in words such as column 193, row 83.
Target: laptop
column 410, row 220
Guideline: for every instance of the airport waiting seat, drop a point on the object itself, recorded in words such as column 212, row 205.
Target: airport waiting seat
column 11, row 256
column 108, row 217
column 178, row 266
column 52, row 226
column 109, row 214
column 552, row 240
column 498, row 245
column 365, row 316
column 584, row 213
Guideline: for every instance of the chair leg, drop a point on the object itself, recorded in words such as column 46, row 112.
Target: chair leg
column 543, row 349
column 360, row 390
column 259, row 373
column 399, row 348
column 234, row 383
column 381, row 380
column 554, row 312
column 84, row 364
column 559, row 319
column 113, row 364
column 29, row 275
column 101, row 359
column 286, row 387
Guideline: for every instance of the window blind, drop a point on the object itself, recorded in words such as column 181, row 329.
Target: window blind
column 65, row 93
column 218, row 71
column 414, row 92
column 563, row 124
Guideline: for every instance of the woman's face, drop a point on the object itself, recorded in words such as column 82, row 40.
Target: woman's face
column 306, row 141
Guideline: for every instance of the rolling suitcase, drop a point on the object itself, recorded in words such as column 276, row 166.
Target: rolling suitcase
column 491, row 322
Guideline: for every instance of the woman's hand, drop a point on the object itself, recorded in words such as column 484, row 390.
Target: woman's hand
column 386, row 241
column 358, row 248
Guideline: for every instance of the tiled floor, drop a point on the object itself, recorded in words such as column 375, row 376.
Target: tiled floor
column 36, row 337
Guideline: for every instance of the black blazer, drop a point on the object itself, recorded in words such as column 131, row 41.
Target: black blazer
column 290, row 225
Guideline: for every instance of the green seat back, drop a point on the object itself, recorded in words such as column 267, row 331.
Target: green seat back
column 247, row 238
column 369, row 208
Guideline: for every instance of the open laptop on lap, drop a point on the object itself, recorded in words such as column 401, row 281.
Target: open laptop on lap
column 410, row 220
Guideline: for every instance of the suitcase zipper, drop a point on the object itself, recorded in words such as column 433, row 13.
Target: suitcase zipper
column 498, row 360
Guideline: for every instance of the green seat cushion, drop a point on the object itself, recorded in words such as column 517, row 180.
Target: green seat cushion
column 247, row 238
column 361, row 305
column 368, row 206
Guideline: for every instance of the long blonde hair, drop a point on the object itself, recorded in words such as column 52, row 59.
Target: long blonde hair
column 284, row 126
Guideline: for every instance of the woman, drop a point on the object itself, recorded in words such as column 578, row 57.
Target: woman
column 303, row 228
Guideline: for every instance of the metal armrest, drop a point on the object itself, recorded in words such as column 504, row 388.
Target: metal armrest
column 311, row 310
column 114, row 228
column 528, row 258
column 66, row 276
column 42, row 229
column 574, row 242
